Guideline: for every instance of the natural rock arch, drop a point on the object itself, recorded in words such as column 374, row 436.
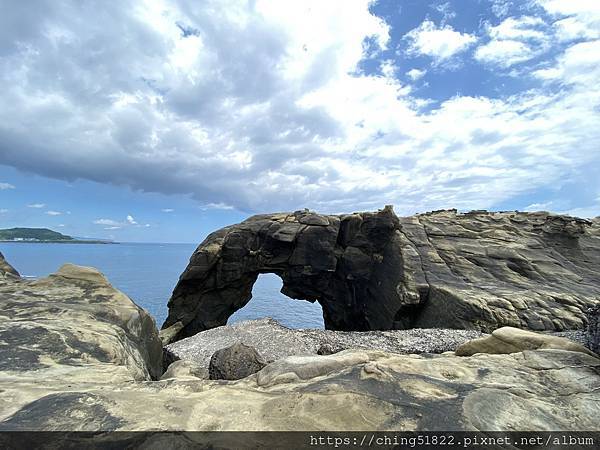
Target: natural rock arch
column 337, row 261
column 375, row 271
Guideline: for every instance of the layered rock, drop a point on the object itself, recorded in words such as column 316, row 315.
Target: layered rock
column 79, row 355
column 56, row 328
column 6, row 269
column 375, row 271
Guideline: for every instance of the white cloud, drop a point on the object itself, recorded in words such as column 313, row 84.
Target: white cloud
column 513, row 41
column 415, row 74
column 167, row 210
column 579, row 64
column 108, row 222
column 216, row 206
column 114, row 227
column 53, row 213
column 575, row 19
column 62, row 225
column 547, row 206
column 504, row 53
column 36, row 205
column 131, row 220
column 440, row 43
column 264, row 109
column 500, row 7
column 4, row 186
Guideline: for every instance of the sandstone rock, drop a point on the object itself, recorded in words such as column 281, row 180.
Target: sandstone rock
column 593, row 329
column 375, row 271
column 53, row 328
column 6, row 270
column 235, row 362
column 185, row 370
column 274, row 341
column 513, row 340
column 74, row 358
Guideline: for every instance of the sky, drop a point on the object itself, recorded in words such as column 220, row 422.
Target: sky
column 161, row 121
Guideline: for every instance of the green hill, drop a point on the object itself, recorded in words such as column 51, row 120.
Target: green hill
column 38, row 234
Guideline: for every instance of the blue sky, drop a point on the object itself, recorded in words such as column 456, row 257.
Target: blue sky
column 160, row 121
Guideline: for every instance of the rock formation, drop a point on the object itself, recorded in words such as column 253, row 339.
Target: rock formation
column 54, row 328
column 79, row 355
column 514, row 340
column 375, row 271
column 6, row 269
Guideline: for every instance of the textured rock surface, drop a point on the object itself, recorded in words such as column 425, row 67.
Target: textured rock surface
column 373, row 271
column 6, row 269
column 73, row 359
column 274, row 341
column 185, row 369
column 235, row 362
column 593, row 329
column 55, row 327
column 514, row 340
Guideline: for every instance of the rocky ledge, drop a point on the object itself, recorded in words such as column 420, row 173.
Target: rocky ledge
column 79, row 355
column 377, row 271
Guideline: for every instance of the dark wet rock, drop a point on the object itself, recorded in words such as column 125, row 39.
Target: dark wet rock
column 593, row 329
column 6, row 269
column 235, row 362
column 375, row 271
column 328, row 349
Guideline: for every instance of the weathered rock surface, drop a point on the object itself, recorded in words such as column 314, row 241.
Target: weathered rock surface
column 514, row 340
column 6, row 269
column 593, row 329
column 56, row 327
column 375, row 271
column 274, row 341
column 78, row 355
column 185, row 369
column 235, row 362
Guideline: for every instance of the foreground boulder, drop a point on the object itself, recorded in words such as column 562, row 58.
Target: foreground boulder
column 375, row 271
column 55, row 328
column 235, row 362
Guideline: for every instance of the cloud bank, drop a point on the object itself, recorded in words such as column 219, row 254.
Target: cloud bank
column 262, row 106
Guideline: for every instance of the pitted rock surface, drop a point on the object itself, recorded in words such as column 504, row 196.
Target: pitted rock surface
column 375, row 271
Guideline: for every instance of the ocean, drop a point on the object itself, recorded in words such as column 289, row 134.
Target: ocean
column 148, row 273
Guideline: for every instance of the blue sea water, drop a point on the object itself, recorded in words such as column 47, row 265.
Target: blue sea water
column 148, row 273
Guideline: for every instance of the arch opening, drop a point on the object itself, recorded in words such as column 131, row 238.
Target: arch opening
column 268, row 301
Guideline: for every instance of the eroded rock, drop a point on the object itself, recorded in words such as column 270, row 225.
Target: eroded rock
column 76, row 359
column 375, row 271
column 6, row 269
column 514, row 340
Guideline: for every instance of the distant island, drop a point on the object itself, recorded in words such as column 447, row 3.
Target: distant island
column 44, row 235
